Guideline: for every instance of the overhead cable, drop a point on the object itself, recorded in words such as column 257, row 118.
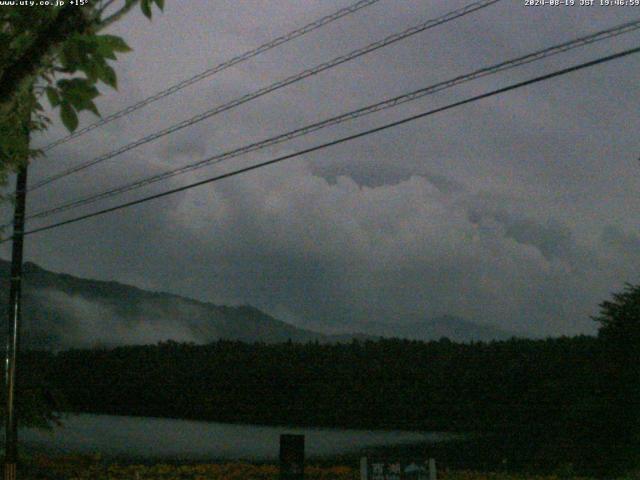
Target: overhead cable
column 217, row 69
column 348, row 138
column 376, row 107
column 271, row 88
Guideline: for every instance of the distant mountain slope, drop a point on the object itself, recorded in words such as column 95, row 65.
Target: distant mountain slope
column 63, row 311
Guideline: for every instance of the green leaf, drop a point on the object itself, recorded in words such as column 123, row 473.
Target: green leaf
column 108, row 76
column 76, row 50
column 115, row 43
column 68, row 116
column 91, row 71
column 70, row 56
column 145, row 5
column 52, row 95
column 92, row 108
column 77, row 91
column 160, row 4
column 105, row 51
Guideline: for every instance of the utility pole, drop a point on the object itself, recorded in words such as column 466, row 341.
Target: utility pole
column 14, row 311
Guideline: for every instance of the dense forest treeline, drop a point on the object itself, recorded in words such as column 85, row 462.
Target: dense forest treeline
column 388, row 383
column 557, row 396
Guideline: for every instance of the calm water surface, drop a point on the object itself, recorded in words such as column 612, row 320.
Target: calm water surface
column 158, row 437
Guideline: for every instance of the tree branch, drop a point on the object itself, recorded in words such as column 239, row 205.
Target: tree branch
column 68, row 21
column 129, row 4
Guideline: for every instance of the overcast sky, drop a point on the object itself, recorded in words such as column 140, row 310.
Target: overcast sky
column 520, row 210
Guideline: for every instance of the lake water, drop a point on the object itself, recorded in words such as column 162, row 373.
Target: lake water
column 159, row 437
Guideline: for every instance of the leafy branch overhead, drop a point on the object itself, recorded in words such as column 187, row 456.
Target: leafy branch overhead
column 58, row 52
column 88, row 54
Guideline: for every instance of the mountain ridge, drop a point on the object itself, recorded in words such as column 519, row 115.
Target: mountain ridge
column 64, row 311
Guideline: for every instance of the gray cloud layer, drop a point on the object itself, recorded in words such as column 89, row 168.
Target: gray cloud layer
column 518, row 210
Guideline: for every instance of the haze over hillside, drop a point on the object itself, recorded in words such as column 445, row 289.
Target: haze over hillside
column 62, row 311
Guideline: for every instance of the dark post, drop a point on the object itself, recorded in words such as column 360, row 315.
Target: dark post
column 291, row 457
column 13, row 334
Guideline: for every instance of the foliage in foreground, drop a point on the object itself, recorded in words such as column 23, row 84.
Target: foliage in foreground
column 55, row 51
column 90, row 468
column 85, row 468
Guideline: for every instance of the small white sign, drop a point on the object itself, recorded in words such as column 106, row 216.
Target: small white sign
column 376, row 469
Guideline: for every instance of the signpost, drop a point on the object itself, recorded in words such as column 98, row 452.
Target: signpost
column 389, row 469
column 291, row 457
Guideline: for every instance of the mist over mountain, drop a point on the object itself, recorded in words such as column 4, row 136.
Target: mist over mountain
column 62, row 311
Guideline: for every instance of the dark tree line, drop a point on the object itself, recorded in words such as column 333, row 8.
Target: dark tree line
column 555, row 395
column 569, row 400
column 389, row 383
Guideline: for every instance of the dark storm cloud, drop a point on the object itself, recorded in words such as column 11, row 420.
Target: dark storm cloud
column 517, row 210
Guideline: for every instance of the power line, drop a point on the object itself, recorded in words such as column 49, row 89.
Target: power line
column 387, row 126
column 388, row 103
column 217, row 69
column 273, row 87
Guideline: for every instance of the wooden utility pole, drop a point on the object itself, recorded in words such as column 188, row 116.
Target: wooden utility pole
column 14, row 311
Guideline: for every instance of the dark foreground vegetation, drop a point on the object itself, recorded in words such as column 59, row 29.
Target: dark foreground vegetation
column 43, row 467
column 569, row 403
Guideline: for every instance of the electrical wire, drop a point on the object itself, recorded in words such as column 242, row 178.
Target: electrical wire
column 348, row 138
column 271, row 88
column 376, row 107
column 217, row 69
